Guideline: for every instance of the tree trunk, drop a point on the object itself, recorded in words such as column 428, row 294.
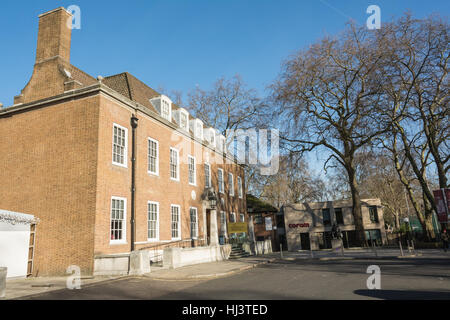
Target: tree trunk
column 356, row 205
column 428, row 226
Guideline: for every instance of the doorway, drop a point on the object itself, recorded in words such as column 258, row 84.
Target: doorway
column 304, row 241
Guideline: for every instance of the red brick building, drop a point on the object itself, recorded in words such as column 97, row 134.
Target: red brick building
column 67, row 146
column 264, row 217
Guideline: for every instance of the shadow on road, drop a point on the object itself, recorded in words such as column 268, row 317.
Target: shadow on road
column 404, row 294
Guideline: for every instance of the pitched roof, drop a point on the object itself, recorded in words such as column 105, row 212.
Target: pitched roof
column 134, row 89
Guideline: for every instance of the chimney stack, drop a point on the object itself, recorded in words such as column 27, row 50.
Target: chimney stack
column 54, row 35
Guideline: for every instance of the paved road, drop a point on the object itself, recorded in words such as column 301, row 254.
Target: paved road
column 411, row 278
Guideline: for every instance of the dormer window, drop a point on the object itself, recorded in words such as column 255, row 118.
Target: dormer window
column 165, row 110
column 183, row 121
column 197, row 128
column 164, row 106
column 182, row 118
column 210, row 136
column 221, row 143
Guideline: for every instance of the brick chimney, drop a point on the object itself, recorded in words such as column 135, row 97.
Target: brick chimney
column 54, row 35
column 52, row 58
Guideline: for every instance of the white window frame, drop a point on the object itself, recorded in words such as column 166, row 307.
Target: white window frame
column 195, row 170
column 231, row 184
column 233, row 214
column 242, row 217
column 169, row 105
column 157, row 222
column 209, row 176
column 185, row 113
column 124, row 223
column 196, row 222
column 156, row 173
column 240, row 189
column 179, row 221
column 178, row 165
column 125, row 155
column 221, row 183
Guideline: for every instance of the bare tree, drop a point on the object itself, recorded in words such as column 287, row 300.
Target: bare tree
column 416, row 97
column 294, row 183
column 229, row 105
column 327, row 100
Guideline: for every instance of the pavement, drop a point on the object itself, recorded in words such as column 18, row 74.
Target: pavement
column 211, row 270
column 25, row 288
column 424, row 278
column 21, row 288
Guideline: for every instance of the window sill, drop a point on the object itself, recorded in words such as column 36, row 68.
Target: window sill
column 117, row 242
column 155, row 174
column 119, row 165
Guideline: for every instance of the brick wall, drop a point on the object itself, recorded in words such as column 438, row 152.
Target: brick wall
column 48, row 169
column 116, row 181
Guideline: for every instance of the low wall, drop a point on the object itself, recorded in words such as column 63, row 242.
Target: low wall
column 117, row 264
column 258, row 247
column 179, row 257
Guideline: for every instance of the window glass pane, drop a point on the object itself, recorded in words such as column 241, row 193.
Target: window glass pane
column 326, row 217
column 207, row 176
column 339, row 216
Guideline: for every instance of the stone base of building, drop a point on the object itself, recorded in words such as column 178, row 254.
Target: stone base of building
column 136, row 263
column 258, row 247
column 180, row 257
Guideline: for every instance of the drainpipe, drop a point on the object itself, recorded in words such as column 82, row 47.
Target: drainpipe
column 134, row 124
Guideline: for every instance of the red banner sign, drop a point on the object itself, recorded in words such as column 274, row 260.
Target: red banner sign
column 299, row 225
column 442, row 198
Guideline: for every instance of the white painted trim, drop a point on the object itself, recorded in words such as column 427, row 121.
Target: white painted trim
column 195, row 171
column 157, row 157
column 178, row 164
column 124, row 225
column 157, row 222
column 231, row 185
column 210, row 174
column 190, row 223
column 240, row 188
column 179, row 221
column 125, row 156
column 223, row 181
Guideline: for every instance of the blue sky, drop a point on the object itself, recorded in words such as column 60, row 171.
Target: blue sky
column 177, row 44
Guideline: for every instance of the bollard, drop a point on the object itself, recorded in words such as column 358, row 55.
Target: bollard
column 281, row 251
column 342, row 247
column 401, row 249
column 3, row 272
column 409, row 246
column 312, row 253
column 375, row 249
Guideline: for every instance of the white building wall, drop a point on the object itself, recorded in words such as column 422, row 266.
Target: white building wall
column 14, row 245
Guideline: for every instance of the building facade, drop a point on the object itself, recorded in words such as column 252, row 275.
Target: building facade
column 91, row 157
column 264, row 218
column 308, row 226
